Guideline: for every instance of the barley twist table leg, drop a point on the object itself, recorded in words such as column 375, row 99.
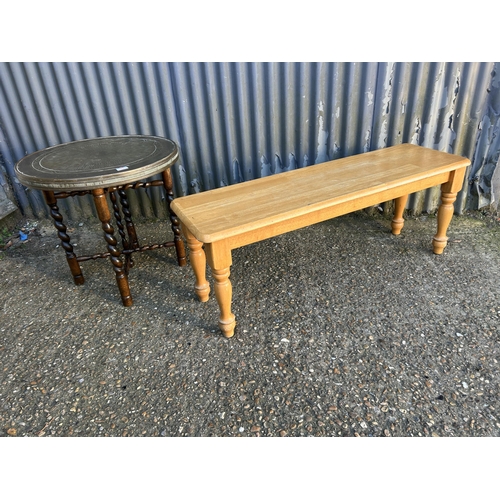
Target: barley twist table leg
column 398, row 220
column 115, row 254
column 121, row 230
column 133, row 240
column 73, row 264
column 118, row 218
column 176, row 225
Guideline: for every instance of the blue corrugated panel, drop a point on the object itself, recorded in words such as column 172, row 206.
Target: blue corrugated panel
column 238, row 121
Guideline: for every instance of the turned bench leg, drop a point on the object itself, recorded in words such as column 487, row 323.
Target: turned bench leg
column 219, row 260
column 444, row 216
column 398, row 220
column 449, row 192
column 198, row 262
column 224, row 294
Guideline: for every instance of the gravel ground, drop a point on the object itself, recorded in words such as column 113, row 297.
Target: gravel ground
column 343, row 330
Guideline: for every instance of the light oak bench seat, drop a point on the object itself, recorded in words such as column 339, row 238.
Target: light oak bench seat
column 217, row 221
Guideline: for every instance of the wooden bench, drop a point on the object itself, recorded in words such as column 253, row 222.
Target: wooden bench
column 217, row 221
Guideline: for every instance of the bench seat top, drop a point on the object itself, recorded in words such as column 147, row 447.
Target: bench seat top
column 351, row 183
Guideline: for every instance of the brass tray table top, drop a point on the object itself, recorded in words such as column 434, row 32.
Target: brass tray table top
column 96, row 163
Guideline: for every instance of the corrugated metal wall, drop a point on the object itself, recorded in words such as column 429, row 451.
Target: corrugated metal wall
column 238, row 121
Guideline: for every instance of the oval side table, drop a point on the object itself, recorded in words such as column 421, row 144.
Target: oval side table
column 101, row 167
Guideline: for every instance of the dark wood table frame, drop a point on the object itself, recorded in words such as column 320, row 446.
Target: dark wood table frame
column 103, row 186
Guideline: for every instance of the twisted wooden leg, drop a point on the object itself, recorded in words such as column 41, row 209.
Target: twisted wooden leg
column 118, row 218
column 198, row 262
column 398, row 220
column 121, row 230
column 176, row 229
column 133, row 240
column 115, row 254
column 73, row 264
